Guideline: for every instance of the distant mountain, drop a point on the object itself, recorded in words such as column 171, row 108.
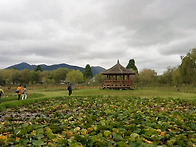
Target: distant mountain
column 96, row 69
column 24, row 65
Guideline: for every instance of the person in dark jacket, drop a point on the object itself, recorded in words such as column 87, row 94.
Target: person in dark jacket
column 69, row 89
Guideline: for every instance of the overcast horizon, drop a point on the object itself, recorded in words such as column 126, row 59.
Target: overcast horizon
column 155, row 33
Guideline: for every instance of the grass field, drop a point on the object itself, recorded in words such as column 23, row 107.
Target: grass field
column 42, row 93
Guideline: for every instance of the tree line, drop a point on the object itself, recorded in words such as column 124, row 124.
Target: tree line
column 38, row 76
column 184, row 74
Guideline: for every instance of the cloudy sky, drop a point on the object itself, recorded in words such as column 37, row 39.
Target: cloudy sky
column 97, row 32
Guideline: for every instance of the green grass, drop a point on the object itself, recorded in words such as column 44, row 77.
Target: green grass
column 42, row 94
column 12, row 101
column 14, row 98
column 136, row 93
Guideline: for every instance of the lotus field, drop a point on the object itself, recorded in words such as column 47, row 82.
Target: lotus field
column 100, row 121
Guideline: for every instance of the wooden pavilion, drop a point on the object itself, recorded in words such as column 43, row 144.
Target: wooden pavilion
column 118, row 77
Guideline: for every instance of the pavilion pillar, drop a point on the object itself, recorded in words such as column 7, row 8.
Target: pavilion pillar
column 116, row 79
column 112, row 81
column 131, row 81
column 123, row 80
column 128, row 80
column 120, row 81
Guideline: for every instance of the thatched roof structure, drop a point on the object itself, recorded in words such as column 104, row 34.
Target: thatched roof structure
column 118, row 69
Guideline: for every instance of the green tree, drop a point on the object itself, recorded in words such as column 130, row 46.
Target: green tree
column 6, row 75
column 176, row 78
column 47, row 77
column 2, row 78
column 99, row 78
column 35, row 77
column 24, row 76
column 188, row 67
column 167, row 77
column 75, row 77
column 38, row 68
column 14, row 76
column 88, row 72
column 60, row 74
column 131, row 65
column 147, row 77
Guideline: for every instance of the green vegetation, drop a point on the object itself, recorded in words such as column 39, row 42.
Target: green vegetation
column 148, row 92
column 88, row 72
column 75, row 76
column 42, row 93
column 38, row 68
column 100, row 121
column 185, row 74
column 131, row 65
column 48, row 92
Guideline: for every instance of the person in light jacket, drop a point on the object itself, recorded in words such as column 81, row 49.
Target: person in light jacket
column 1, row 93
column 24, row 93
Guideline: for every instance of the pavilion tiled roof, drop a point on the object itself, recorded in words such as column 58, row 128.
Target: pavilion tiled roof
column 118, row 69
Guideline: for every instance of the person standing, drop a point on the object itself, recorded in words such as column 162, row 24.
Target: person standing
column 1, row 93
column 19, row 88
column 24, row 93
column 69, row 89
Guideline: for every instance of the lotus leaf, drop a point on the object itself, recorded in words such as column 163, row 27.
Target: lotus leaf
column 100, row 121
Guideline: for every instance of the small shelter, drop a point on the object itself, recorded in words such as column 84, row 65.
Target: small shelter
column 118, row 77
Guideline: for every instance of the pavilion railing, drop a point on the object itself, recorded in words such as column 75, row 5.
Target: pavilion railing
column 117, row 84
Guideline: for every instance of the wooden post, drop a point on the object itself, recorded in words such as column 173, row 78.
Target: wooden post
column 128, row 81
column 120, row 83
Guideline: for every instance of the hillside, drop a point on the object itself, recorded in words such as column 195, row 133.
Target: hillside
column 24, row 65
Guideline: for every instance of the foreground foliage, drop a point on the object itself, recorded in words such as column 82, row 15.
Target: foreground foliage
column 100, row 121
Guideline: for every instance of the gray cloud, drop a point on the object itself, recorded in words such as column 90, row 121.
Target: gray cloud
column 155, row 33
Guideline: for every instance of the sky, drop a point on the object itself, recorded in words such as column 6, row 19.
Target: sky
column 155, row 33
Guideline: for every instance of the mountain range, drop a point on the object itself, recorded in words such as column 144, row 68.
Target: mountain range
column 95, row 69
